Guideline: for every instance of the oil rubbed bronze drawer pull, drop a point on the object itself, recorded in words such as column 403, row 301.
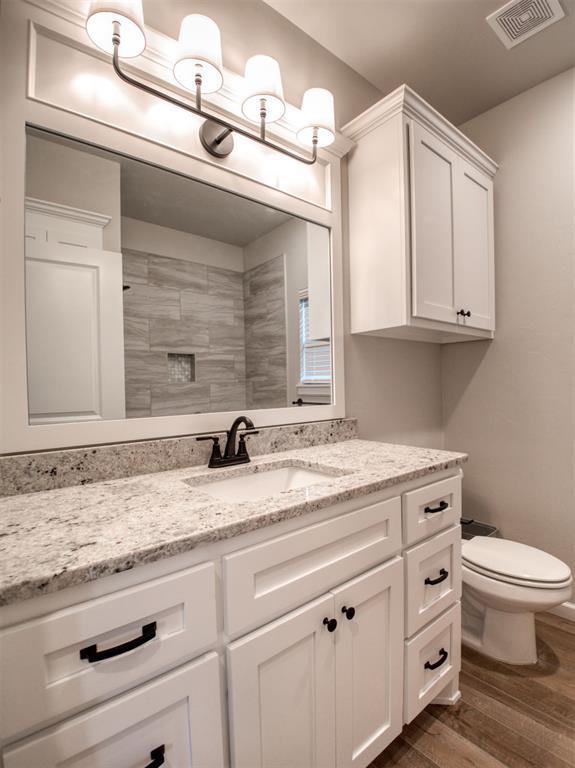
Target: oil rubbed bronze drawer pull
column 158, row 757
column 331, row 624
column 443, row 574
column 441, row 507
column 442, row 659
column 92, row 654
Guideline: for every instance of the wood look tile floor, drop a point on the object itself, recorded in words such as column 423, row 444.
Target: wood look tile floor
column 518, row 717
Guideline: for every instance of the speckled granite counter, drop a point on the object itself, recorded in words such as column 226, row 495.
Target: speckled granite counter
column 54, row 539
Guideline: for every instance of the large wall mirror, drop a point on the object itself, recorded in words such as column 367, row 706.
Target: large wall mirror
column 151, row 294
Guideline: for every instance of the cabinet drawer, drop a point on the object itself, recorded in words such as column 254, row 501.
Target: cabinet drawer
column 177, row 715
column 430, row 509
column 266, row 580
column 432, row 577
column 154, row 626
column 432, row 659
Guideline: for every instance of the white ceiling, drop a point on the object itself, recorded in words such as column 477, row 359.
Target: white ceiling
column 160, row 197
column 152, row 194
column 443, row 49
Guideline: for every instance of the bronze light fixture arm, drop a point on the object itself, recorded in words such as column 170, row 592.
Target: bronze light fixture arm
column 227, row 128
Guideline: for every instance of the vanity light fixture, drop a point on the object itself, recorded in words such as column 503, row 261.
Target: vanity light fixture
column 117, row 27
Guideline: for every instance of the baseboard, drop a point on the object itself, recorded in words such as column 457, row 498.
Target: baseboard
column 447, row 701
column 565, row 610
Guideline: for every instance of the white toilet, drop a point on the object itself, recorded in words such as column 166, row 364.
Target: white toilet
column 504, row 585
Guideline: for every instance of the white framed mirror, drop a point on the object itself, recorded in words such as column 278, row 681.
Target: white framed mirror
column 52, row 104
column 152, row 294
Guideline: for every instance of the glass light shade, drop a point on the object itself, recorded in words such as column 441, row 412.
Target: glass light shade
column 263, row 81
column 199, row 52
column 317, row 113
column 129, row 14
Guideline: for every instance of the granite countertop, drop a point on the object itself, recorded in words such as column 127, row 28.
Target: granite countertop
column 54, row 539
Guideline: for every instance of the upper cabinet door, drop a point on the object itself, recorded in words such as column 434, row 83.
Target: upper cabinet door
column 433, row 171
column 369, row 666
column 282, row 692
column 474, row 266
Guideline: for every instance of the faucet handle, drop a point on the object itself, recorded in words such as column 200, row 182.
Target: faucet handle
column 242, row 448
column 216, row 456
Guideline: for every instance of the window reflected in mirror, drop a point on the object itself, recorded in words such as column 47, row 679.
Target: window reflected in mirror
column 151, row 294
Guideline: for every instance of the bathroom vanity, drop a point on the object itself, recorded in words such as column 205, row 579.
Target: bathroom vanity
column 301, row 626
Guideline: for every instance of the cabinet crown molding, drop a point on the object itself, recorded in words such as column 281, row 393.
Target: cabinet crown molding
column 61, row 211
column 404, row 100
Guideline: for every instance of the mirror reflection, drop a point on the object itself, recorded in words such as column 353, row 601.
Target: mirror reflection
column 151, row 294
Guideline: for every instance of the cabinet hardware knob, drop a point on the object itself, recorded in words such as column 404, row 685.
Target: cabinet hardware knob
column 349, row 612
column 464, row 312
column 92, row 654
column 441, row 507
column 158, row 757
column 443, row 574
column 331, row 624
column 442, row 659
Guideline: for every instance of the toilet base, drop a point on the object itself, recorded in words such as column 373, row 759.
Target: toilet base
column 504, row 636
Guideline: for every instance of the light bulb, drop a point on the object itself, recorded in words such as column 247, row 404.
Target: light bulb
column 263, row 82
column 317, row 113
column 130, row 17
column 199, row 53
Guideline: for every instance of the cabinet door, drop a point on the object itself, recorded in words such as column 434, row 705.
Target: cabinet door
column 433, row 174
column 74, row 333
column 173, row 721
column 474, row 246
column 282, row 692
column 369, row 664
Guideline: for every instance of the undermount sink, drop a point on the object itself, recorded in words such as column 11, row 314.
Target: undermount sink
column 261, row 484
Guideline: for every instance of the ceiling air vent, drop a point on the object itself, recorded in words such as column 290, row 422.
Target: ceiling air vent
column 520, row 19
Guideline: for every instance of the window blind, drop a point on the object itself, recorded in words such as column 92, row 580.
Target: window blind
column 315, row 356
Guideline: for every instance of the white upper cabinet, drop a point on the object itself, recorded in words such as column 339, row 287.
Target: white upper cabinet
column 421, row 225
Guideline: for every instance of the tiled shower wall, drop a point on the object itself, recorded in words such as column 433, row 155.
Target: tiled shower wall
column 181, row 307
column 265, row 328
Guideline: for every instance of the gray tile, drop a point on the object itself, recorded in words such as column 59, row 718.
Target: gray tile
column 138, row 400
column 148, row 301
column 186, row 335
column 176, row 399
column 227, row 396
column 225, row 283
column 134, row 266
column 146, row 367
column 213, row 367
column 177, row 273
column 136, row 333
column 226, row 337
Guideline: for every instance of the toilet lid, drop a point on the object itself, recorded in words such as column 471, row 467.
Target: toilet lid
column 513, row 560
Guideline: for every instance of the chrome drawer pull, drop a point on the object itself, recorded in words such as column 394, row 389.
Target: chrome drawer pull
column 92, row 654
column 157, row 756
column 440, row 508
column 442, row 659
column 443, row 574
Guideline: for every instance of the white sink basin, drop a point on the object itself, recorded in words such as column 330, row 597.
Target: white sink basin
column 257, row 485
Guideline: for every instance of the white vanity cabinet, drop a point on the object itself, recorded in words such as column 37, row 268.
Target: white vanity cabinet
column 323, row 685
column 421, row 225
column 306, row 643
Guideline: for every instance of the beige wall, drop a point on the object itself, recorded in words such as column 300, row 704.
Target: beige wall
column 71, row 177
column 509, row 402
column 174, row 244
column 251, row 26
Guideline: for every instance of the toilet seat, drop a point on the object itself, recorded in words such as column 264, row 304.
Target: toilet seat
column 515, row 563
